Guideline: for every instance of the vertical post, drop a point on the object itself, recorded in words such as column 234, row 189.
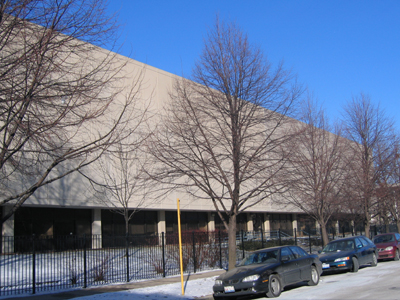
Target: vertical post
column 295, row 236
column 84, row 262
column 163, row 252
column 220, row 249
column 279, row 235
column 127, row 257
column 343, row 231
column 241, row 231
column 194, row 253
column 309, row 239
column 33, row 265
column 180, row 246
column 262, row 238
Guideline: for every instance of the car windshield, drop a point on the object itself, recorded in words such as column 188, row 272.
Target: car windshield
column 384, row 238
column 339, row 246
column 261, row 258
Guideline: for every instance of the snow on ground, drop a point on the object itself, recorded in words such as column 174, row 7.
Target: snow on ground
column 192, row 289
column 370, row 283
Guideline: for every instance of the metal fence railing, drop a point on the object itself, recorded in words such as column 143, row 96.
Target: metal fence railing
column 31, row 264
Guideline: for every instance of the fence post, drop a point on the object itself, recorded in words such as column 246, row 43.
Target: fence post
column 220, row 249
column 279, row 235
column 262, row 238
column 127, row 257
column 194, row 253
column 295, row 236
column 241, row 231
column 84, row 262
column 33, row 265
column 163, row 252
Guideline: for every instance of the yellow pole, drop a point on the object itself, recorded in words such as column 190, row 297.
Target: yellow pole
column 180, row 246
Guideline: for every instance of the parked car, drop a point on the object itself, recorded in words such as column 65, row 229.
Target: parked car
column 268, row 271
column 348, row 254
column 388, row 245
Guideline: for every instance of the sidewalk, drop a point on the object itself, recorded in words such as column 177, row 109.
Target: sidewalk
column 70, row 294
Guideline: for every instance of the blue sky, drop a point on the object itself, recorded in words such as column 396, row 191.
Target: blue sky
column 338, row 48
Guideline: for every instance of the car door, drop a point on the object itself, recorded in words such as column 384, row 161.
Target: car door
column 303, row 261
column 290, row 266
column 369, row 247
column 360, row 251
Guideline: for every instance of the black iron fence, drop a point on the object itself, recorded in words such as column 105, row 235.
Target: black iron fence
column 36, row 264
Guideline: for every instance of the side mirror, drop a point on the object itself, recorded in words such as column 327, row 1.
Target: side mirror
column 285, row 259
column 359, row 246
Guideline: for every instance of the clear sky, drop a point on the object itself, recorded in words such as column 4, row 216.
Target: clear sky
column 337, row 48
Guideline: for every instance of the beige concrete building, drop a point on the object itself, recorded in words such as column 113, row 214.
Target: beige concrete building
column 68, row 206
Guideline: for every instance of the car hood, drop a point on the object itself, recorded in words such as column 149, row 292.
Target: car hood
column 243, row 271
column 333, row 255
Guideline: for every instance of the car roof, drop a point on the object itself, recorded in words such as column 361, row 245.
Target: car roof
column 273, row 248
column 389, row 233
column 348, row 238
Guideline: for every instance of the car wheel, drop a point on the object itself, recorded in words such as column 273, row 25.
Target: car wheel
column 356, row 266
column 396, row 255
column 274, row 286
column 374, row 262
column 314, row 277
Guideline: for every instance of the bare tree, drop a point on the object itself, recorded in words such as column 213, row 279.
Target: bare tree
column 221, row 137
column 372, row 131
column 121, row 183
column 58, row 91
column 316, row 169
column 387, row 192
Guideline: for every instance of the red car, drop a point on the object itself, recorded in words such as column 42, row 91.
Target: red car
column 388, row 245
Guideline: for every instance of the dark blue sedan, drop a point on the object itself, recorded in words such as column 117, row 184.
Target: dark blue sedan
column 348, row 254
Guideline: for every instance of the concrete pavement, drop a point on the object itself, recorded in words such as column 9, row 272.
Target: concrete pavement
column 71, row 294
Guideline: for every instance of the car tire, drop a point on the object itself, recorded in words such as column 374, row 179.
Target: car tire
column 355, row 266
column 314, row 277
column 274, row 286
column 374, row 262
column 396, row 255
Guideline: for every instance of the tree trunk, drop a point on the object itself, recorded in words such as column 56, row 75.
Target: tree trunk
column 126, row 217
column 324, row 233
column 367, row 224
column 232, row 242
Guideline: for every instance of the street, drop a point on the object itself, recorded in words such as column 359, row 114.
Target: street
column 381, row 282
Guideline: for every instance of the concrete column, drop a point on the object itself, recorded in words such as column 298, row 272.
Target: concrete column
column 267, row 222
column 7, row 232
column 211, row 221
column 96, row 229
column 250, row 225
column 294, row 222
column 161, row 225
column 337, row 228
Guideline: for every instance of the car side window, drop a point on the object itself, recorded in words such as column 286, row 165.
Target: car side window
column 358, row 243
column 398, row 236
column 286, row 254
column 364, row 241
column 298, row 252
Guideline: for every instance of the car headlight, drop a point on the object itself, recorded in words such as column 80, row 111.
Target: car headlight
column 251, row 278
column 218, row 282
column 389, row 248
column 342, row 259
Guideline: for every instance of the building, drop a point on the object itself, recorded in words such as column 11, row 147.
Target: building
column 67, row 206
